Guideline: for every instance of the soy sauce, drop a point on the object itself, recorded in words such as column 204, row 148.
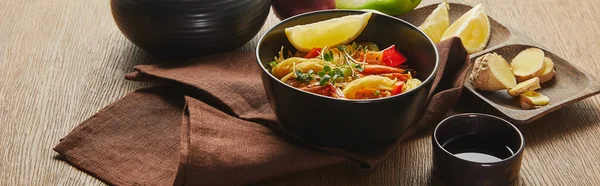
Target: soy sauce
column 478, row 148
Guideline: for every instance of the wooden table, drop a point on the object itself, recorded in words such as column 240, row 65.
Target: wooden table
column 63, row 60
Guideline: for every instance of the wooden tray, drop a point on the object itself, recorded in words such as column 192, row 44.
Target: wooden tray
column 569, row 85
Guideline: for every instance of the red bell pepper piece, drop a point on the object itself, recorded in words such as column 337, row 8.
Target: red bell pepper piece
column 391, row 57
column 397, row 88
column 313, row 53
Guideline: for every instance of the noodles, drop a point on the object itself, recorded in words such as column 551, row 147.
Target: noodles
column 286, row 66
column 351, row 71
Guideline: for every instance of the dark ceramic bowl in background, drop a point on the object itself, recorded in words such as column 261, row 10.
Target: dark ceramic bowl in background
column 189, row 28
column 351, row 124
column 284, row 9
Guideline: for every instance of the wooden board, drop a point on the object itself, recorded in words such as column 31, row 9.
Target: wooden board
column 570, row 84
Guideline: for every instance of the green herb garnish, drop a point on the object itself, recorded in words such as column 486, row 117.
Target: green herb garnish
column 326, row 69
column 328, row 56
column 304, row 77
column 329, row 75
column 273, row 64
column 347, row 72
column 321, row 74
column 324, row 80
column 336, row 75
column 377, row 92
column 359, row 67
column 339, row 72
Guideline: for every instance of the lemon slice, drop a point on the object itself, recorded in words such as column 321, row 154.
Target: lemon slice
column 327, row 33
column 437, row 22
column 473, row 28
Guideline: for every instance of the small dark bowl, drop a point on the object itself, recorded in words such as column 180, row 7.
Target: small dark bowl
column 448, row 169
column 350, row 124
column 189, row 28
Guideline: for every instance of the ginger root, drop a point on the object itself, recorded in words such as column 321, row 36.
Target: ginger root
column 491, row 72
column 530, row 67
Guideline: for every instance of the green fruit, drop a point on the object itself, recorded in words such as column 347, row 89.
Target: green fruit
column 390, row 7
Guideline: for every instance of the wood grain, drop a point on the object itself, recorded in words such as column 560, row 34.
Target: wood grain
column 63, row 60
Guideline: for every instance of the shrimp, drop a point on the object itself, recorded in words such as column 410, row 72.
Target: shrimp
column 380, row 69
column 373, row 82
column 369, row 93
column 398, row 76
column 327, row 90
column 370, row 57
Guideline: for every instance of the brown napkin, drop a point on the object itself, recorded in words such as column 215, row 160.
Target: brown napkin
column 212, row 125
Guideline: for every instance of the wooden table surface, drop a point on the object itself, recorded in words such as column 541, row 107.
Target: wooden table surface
column 63, row 60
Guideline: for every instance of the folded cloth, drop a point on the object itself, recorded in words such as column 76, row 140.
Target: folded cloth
column 212, row 125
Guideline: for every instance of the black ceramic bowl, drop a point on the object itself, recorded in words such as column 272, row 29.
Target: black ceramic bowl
column 189, row 28
column 497, row 136
column 352, row 124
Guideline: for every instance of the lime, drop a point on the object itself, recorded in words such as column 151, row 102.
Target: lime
column 390, row 7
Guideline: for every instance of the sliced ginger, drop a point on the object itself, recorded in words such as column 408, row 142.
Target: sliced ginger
column 532, row 99
column 530, row 67
column 528, row 64
column 525, row 86
column 548, row 72
column 491, row 72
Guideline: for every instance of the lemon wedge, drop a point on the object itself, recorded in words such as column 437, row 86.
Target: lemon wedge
column 328, row 33
column 473, row 28
column 437, row 22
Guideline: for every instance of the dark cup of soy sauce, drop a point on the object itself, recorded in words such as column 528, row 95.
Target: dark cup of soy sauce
column 476, row 149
